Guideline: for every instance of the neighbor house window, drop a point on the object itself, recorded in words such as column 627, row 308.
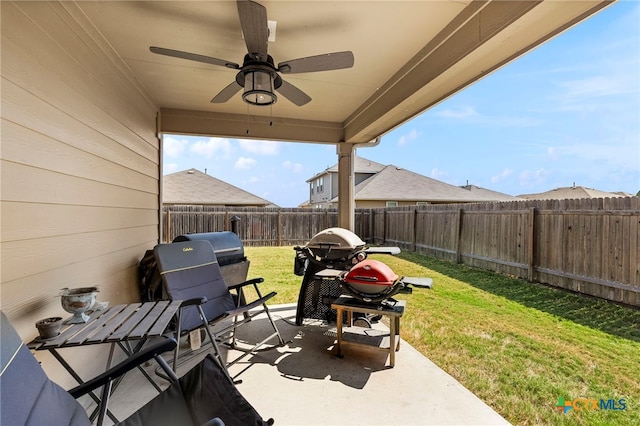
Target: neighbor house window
column 422, row 203
column 320, row 184
column 392, row 204
column 311, row 185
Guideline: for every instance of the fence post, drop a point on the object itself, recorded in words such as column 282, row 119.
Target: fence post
column 167, row 237
column 531, row 244
column 415, row 230
column 384, row 226
column 279, row 228
column 372, row 216
column 460, row 215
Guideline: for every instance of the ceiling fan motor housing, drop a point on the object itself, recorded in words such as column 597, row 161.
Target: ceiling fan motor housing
column 250, row 65
column 259, row 80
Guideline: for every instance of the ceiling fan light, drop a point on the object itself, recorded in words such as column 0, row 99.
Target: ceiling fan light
column 258, row 88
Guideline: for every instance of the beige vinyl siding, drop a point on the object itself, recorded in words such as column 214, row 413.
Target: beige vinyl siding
column 79, row 164
column 372, row 204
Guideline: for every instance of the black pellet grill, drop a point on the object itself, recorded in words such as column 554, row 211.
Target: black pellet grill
column 230, row 253
column 325, row 263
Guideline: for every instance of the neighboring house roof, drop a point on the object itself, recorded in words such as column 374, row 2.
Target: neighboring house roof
column 623, row 194
column 360, row 165
column 194, row 187
column 396, row 184
column 572, row 192
column 495, row 195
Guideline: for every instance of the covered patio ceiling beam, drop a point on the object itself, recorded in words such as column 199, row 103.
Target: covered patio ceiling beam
column 203, row 123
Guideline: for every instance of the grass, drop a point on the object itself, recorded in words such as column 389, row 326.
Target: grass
column 518, row 346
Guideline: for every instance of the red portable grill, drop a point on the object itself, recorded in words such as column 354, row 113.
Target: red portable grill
column 370, row 279
column 334, row 262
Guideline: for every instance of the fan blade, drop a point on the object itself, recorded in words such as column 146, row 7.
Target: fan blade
column 253, row 20
column 294, row 94
column 326, row 62
column 193, row 57
column 226, row 93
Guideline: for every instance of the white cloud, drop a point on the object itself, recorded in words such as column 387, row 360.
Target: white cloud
column 259, row 147
column 532, row 179
column 619, row 154
column 173, row 147
column 169, row 168
column 553, row 153
column 212, row 146
column 245, row 163
column 502, row 176
column 439, row 174
column 294, row 167
column 406, row 138
column 465, row 112
column 595, row 86
column 469, row 114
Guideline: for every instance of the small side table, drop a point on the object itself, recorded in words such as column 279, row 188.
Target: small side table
column 367, row 336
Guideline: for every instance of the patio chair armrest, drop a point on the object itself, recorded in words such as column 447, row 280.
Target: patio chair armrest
column 195, row 301
column 252, row 281
column 249, row 306
column 156, row 347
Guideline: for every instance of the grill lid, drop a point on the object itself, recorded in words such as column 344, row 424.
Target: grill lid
column 226, row 244
column 371, row 274
column 336, row 238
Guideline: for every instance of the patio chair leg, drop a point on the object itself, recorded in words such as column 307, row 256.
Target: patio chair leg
column 106, row 391
column 268, row 312
column 216, row 349
column 178, row 331
column 171, row 375
column 273, row 324
column 233, row 331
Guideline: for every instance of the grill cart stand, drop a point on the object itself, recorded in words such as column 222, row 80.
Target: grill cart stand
column 369, row 336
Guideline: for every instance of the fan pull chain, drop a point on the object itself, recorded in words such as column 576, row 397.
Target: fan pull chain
column 247, row 119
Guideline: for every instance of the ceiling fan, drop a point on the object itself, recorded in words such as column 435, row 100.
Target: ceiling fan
column 258, row 75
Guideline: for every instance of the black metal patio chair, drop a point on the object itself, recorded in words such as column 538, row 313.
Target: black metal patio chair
column 203, row 396
column 190, row 272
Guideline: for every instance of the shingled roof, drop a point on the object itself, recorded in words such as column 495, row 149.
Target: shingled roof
column 565, row 193
column 192, row 187
column 398, row 184
column 494, row 195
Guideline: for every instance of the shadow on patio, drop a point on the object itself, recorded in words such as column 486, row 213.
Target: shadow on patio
column 304, row 383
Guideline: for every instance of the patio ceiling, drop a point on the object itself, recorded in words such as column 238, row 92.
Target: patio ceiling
column 408, row 57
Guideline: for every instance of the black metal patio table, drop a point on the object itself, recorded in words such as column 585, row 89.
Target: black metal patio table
column 128, row 326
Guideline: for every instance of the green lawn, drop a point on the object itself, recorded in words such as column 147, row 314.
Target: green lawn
column 516, row 345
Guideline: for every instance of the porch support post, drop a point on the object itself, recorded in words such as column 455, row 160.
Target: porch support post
column 346, row 200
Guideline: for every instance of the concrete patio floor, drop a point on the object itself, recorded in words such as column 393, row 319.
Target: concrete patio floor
column 304, row 383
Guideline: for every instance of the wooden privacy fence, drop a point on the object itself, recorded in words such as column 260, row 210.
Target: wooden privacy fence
column 256, row 226
column 585, row 245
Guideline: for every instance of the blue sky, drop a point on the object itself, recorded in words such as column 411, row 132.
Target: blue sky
column 569, row 111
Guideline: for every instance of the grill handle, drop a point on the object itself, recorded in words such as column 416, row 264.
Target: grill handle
column 361, row 278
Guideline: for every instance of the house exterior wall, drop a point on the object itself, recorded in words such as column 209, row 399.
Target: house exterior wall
column 321, row 194
column 79, row 164
column 320, row 199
